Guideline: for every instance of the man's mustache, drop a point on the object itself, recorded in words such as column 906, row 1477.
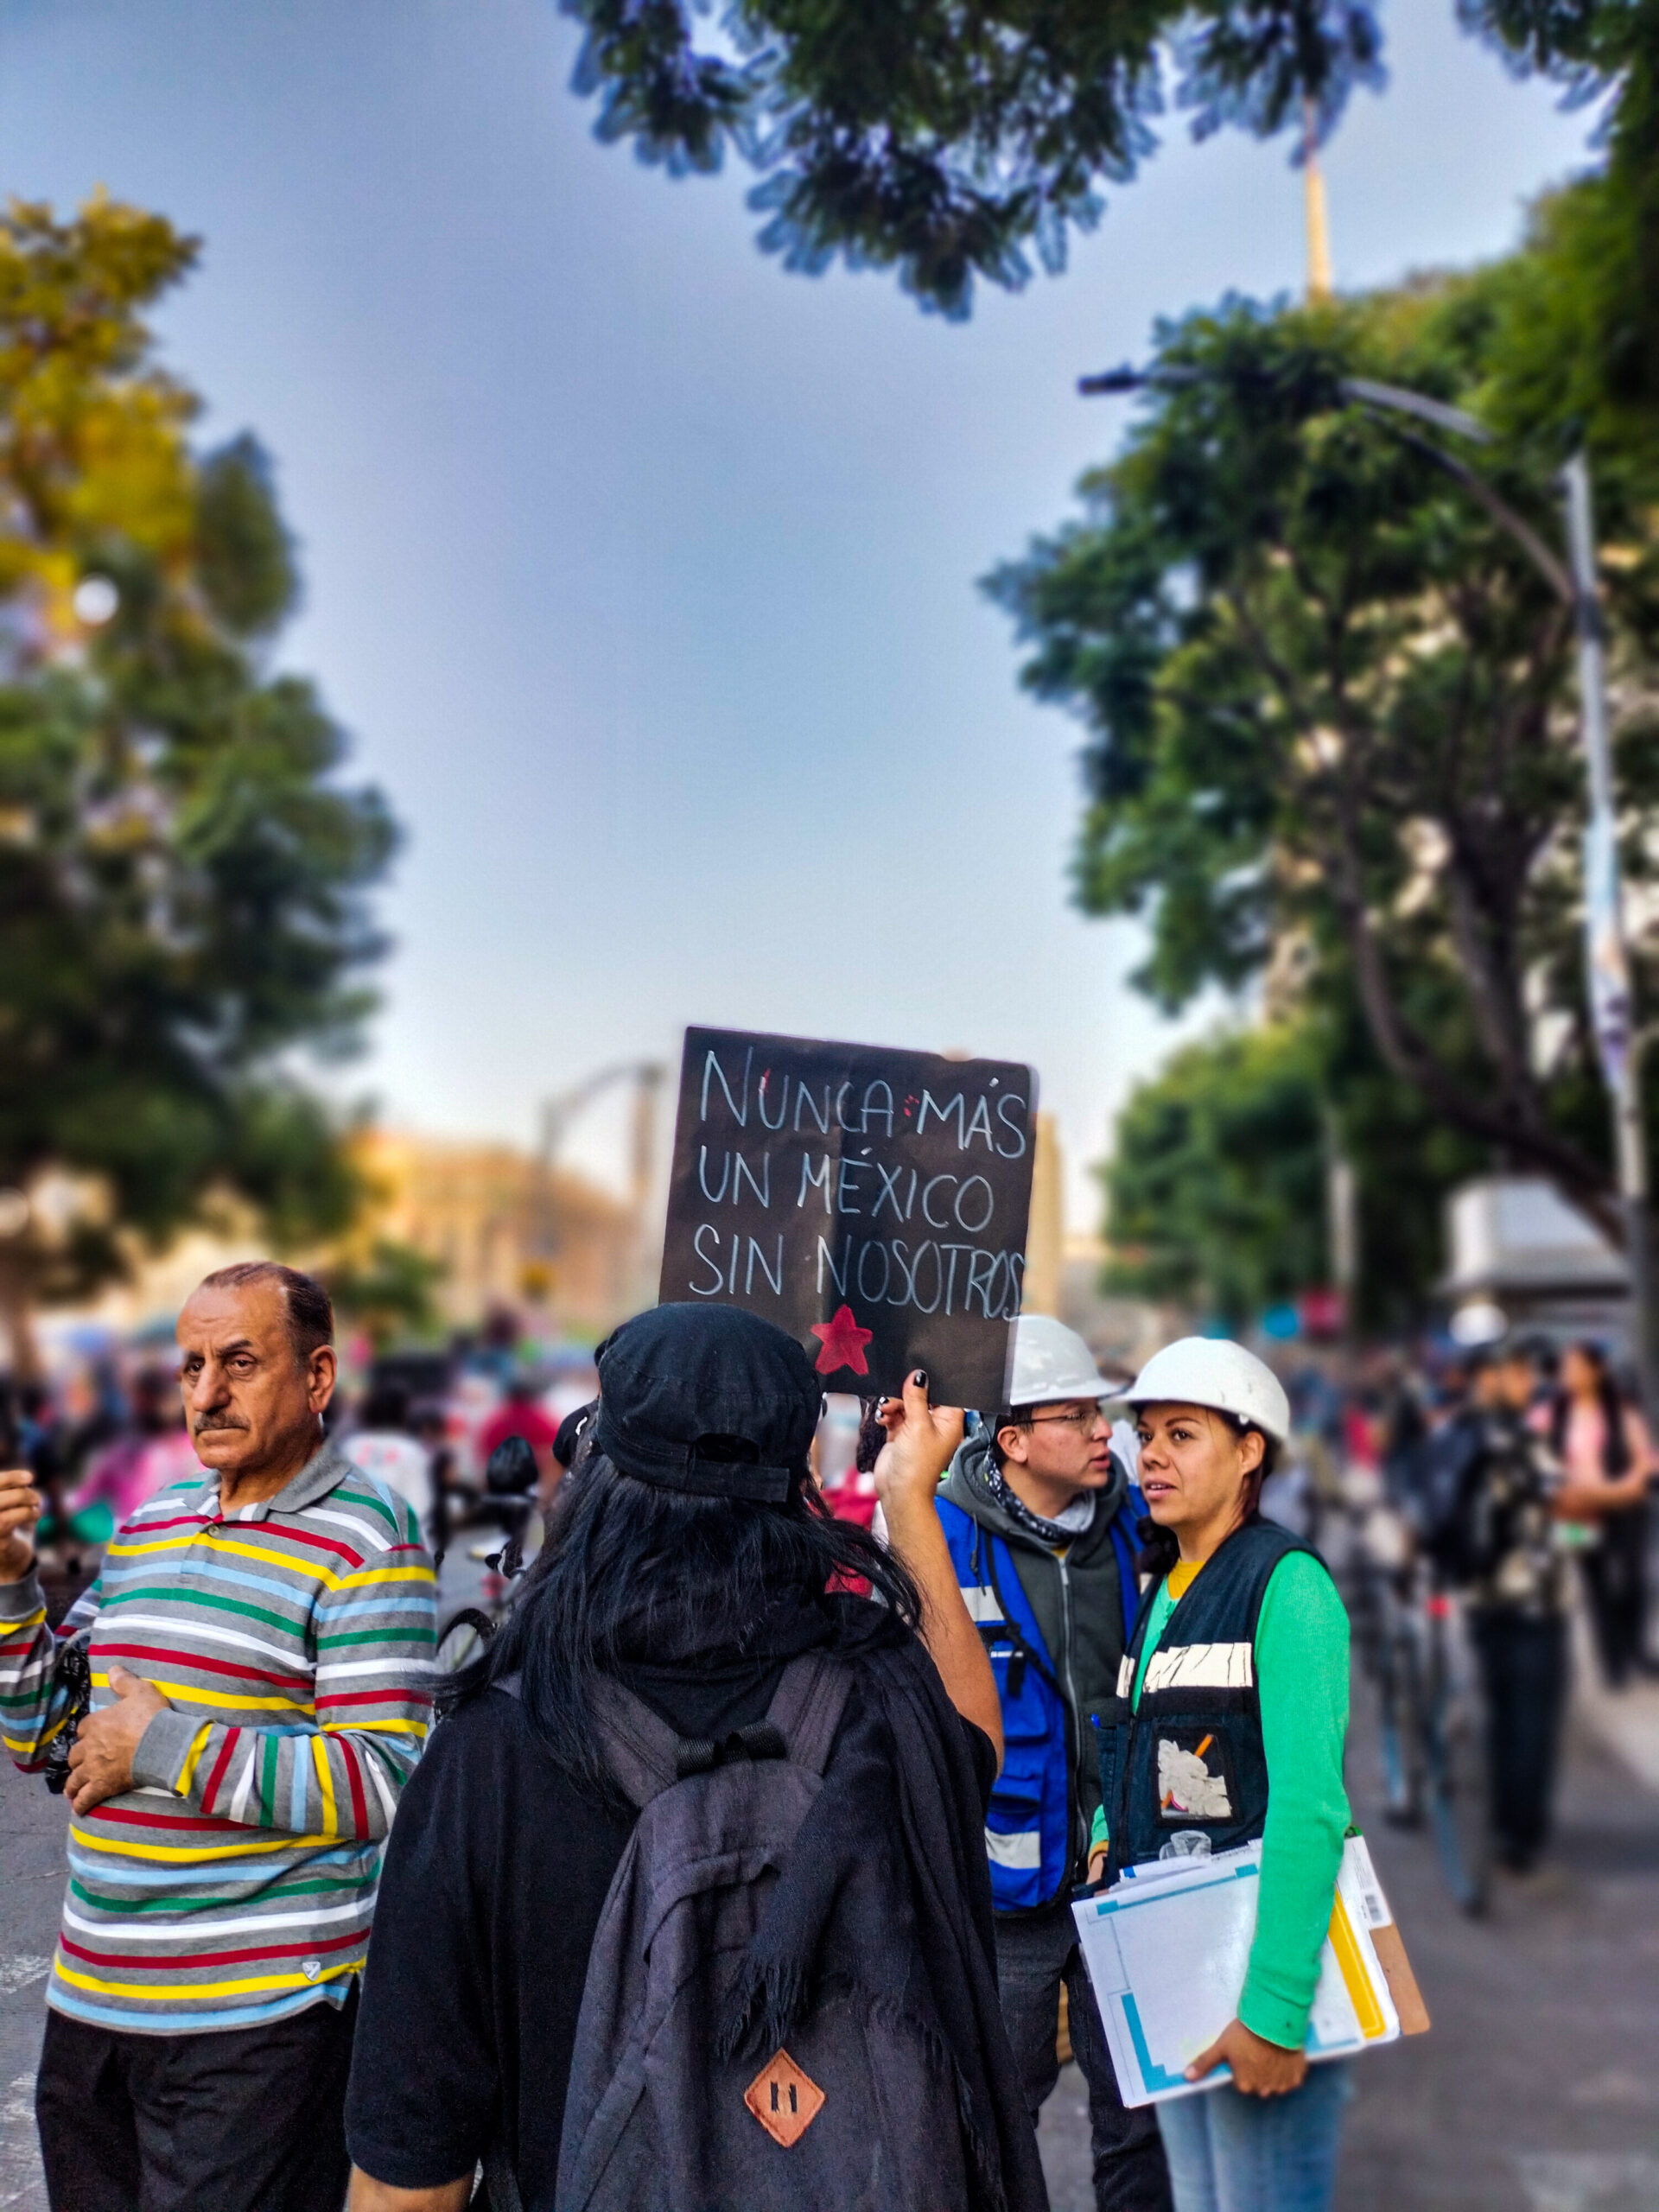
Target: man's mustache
column 209, row 1423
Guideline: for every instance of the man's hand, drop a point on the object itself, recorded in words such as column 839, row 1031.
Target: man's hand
column 100, row 1758
column 921, row 1440
column 20, row 1508
column 1260, row 2069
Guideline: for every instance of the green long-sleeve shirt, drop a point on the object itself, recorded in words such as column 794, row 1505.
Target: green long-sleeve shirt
column 1301, row 1673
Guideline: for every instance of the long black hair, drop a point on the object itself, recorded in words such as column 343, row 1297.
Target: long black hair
column 1615, row 1444
column 1160, row 1548
column 632, row 1574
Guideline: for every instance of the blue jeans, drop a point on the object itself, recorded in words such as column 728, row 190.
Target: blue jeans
column 1229, row 2152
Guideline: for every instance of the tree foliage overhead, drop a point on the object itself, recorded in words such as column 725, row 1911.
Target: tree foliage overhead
column 946, row 136
column 1330, row 708
column 182, row 894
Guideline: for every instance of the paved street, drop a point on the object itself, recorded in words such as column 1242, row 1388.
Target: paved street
column 30, row 1898
column 1538, row 2090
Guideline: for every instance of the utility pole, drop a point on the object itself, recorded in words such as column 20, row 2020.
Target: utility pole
column 1318, row 229
column 1342, row 1208
column 1608, row 964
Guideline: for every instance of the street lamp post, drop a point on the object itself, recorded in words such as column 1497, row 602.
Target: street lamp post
column 1607, row 961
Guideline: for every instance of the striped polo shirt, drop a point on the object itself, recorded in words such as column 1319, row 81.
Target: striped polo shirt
column 293, row 1641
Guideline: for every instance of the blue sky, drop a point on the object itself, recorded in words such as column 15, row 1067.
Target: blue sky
column 643, row 575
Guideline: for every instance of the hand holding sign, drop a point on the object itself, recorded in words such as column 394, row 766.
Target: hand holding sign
column 872, row 1203
column 921, row 1441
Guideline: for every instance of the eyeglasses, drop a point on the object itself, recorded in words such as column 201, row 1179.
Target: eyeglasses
column 1082, row 1418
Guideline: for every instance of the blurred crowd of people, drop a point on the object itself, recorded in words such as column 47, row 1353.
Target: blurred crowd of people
column 1513, row 1479
column 1058, row 1539
column 107, row 1433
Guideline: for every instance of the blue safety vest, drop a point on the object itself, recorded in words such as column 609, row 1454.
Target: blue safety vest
column 1028, row 1836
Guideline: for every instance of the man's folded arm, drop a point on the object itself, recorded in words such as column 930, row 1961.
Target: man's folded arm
column 340, row 1772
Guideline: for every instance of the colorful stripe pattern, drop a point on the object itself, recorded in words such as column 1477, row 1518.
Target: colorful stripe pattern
column 293, row 1641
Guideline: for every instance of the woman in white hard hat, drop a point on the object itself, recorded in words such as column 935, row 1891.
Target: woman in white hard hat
column 1228, row 1724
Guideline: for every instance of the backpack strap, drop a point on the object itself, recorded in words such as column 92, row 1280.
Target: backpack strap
column 641, row 1749
column 807, row 1706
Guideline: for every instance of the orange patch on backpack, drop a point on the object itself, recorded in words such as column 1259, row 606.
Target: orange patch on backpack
column 784, row 2100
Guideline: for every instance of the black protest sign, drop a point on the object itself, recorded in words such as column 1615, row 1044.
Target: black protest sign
column 872, row 1203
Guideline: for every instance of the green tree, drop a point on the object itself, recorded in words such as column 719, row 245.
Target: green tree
column 1217, row 1191
column 1216, row 1188
column 942, row 138
column 182, row 901
column 1330, row 706
column 1593, row 288
column 388, row 1292
column 945, row 138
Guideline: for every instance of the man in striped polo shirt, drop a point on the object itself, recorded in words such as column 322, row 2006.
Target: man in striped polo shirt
column 261, row 1646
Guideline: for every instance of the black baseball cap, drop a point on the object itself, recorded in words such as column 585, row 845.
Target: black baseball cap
column 707, row 1398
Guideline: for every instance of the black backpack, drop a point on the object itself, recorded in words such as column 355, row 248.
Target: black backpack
column 670, row 2109
column 1444, row 1497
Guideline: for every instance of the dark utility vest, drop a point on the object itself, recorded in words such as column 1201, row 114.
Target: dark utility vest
column 1192, row 1755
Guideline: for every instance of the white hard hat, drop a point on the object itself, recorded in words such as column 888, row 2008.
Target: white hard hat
column 1212, row 1371
column 1052, row 1361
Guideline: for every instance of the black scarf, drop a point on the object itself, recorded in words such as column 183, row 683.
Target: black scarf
column 1046, row 1532
column 898, row 1830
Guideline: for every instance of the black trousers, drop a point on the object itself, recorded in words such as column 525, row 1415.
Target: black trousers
column 1035, row 1952
column 249, row 2121
column 1616, row 1579
column 1523, row 1675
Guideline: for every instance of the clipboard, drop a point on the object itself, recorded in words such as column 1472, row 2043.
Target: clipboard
column 1166, row 1950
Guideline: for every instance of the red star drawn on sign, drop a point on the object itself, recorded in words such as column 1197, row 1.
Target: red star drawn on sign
column 843, row 1343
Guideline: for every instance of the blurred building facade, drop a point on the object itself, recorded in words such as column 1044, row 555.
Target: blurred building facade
column 508, row 1231
column 1520, row 1256
column 1064, row 1272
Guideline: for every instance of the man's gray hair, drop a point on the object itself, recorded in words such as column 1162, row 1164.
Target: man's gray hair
column 310, row 1313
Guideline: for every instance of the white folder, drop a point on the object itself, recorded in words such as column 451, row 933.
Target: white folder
column 1168, row 1947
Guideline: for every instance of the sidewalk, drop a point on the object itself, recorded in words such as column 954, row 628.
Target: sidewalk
column 1625, row 1722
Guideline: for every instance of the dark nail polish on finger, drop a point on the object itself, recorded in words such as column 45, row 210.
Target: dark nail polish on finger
column 919, row 1378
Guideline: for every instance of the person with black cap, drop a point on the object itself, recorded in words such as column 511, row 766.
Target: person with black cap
column 685, row 1644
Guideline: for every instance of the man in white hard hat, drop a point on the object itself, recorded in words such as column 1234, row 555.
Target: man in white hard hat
column 1040, row 1516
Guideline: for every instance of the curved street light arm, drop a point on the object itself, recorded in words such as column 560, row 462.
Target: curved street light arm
column 1502, row 514
column 1435, row 411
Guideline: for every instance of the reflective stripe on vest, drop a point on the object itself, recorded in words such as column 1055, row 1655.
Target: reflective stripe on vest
column 1022, row 1849
column 1202, row 1667
column 1192, row 1667
column 982, row 1603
